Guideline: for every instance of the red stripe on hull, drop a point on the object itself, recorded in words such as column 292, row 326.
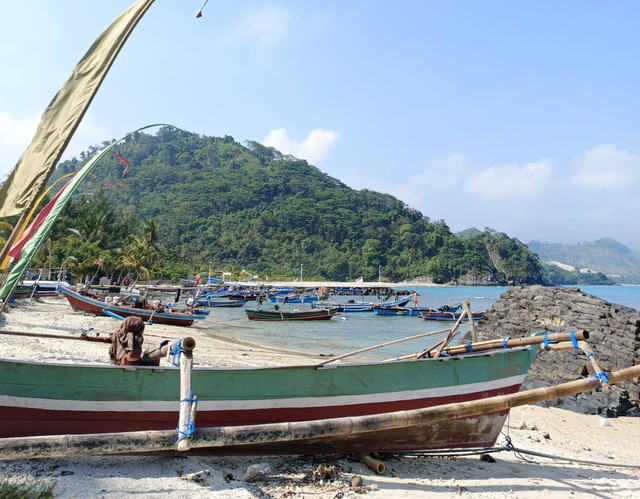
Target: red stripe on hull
column 18, row 422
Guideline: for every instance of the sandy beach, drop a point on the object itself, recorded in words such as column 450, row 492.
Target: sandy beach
column 552, row 432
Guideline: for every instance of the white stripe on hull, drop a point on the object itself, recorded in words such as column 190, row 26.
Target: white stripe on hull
column 247, row 405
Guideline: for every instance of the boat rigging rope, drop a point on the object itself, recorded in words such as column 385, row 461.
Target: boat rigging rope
column 517, row 452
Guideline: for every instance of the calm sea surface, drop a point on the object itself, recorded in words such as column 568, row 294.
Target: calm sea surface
column 353, row 331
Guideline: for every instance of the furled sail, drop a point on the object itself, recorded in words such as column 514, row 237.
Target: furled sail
column 65, row 112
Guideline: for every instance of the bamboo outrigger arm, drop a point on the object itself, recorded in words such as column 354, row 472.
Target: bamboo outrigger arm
column 154, row 441
column 82, row 337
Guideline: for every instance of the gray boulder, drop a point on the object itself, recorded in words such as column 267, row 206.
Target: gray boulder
column 614, row 336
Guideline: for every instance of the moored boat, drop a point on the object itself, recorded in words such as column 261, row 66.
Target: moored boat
column 378, row 310
column 410, row 311
column 293, row 298
column 220, row 303
column 96, row 305
column 440, row 315
column 344, row 307
column 314, row 314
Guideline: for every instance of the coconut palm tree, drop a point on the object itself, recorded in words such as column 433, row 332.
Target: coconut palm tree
column 136, row 257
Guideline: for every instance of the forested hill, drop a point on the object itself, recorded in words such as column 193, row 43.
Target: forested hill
column 251, row 207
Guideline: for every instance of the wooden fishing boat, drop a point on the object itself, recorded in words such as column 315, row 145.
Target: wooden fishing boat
column 293, row 298
column 35, row 291
column 220, row 303
column 412, row 311
column 315, row 314
column 96, row 305
column 344, row 307
column 37, row 288
column 55, row 399
column 439, row 315
column 378, row 310
column 352, row 306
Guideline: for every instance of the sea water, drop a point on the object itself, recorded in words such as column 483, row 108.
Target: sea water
column 352, row 331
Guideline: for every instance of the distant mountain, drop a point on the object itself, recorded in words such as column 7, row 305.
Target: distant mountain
column 605, row 255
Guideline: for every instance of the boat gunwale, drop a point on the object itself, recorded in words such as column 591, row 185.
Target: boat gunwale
column 324, row 367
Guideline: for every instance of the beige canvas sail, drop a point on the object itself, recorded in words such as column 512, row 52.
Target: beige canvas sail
column 62, row 117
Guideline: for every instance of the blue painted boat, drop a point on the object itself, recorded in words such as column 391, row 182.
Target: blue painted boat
column 448, row 316
column 416, row 311
column 293, row 298
column 344, row 307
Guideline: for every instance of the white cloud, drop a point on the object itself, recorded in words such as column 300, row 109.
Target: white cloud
column 16, row 135
column 314, row 148
column 510, row 181
column 606, row 167
column 438, row 175
column 266, row 26
column 442, row 173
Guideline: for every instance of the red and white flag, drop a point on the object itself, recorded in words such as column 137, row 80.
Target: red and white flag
column 360, row 279
column 97, row 262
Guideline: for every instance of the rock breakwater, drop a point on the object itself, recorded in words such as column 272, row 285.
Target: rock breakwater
column 614, row 336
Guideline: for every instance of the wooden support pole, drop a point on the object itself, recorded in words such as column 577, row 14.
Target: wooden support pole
column 452, row 333
column 372, row 463
column 185, row 424
column 584, row 346
column 472, row 324
column 426, row 352
column 182, row 352
column 163, row 440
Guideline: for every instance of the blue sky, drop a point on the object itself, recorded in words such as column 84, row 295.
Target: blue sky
column 522, row 116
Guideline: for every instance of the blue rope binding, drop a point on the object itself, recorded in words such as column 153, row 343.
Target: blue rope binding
column 603, row 378
column 190, row 423
column 574, row 341
column 176, row 351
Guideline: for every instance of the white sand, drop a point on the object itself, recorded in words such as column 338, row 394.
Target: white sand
column 550, row 431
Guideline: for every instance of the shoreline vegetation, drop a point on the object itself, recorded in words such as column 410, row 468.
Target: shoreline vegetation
column 550, row 431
